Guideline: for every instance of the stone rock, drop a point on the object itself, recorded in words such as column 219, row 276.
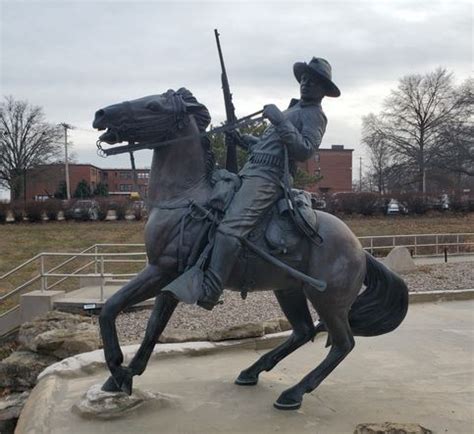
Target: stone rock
column 63, row 343
column 250, row 330
column 97, row 404
column 284, row 324
column 10, row 409
column 18, row 372
column 59, row 334
column 400, row 260
column 182, row 335
column 391, row 428
column 272, row 326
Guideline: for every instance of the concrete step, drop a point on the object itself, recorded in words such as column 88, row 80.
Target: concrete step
column 88, row 299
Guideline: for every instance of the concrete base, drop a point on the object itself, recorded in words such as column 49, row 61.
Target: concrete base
column 421, row 373
column 90, row 281
column 36, row 303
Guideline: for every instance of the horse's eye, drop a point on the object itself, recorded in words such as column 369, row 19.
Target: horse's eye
column 154, row 106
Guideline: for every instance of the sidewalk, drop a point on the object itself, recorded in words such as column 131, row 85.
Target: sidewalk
column 421, row 373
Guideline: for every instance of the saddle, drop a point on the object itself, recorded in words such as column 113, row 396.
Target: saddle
column 281, row 232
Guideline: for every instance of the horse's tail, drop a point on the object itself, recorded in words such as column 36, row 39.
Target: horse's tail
column 383, row 305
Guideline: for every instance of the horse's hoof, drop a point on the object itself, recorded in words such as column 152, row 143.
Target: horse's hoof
column 286, row 402
column 246, row 380
column 127, row 384
column 111, row 385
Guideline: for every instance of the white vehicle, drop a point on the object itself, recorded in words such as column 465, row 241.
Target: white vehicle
column 393, row 207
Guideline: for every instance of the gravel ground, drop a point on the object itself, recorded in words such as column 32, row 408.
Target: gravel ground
column 262, row 306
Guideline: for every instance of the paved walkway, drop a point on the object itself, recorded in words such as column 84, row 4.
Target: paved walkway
column 421, row 373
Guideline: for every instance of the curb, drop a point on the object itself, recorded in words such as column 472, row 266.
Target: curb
column 449, row 295
column 87, row 363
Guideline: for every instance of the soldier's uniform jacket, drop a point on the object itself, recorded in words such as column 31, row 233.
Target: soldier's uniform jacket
column 301, row 131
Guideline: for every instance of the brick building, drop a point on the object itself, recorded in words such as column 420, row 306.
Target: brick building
column 45, row 180
column 334, row 165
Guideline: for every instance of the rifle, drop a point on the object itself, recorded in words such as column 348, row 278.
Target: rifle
column 231, row 156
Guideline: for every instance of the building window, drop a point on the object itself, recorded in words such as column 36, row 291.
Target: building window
column 125, row 187
column 316, row 158
column 125, row 175
column 143, row 175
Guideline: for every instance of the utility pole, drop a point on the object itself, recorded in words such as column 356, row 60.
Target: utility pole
column 66, row 161
column 360, row 174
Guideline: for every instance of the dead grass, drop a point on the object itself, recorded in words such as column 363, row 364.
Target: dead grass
column 435, row 223
column 20, row 242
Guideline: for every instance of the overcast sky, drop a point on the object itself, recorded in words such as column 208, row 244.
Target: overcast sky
column 74, row 57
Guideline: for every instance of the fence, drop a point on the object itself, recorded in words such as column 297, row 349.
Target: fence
column 96, row 262
column 421, row 244
column 56, row 270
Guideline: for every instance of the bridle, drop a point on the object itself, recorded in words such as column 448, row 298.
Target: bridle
column 160, row 129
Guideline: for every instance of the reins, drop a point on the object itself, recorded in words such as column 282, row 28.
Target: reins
column 179, row 119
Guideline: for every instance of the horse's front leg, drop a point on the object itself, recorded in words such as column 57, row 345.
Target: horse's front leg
column 165, row 305
column 144, row 286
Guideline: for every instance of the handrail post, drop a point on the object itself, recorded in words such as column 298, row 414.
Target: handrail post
column 44, row 282
column 372, row 245
column 96, row 268
column 437, row 241
column 102, row 278
column 415, row 244
column 457, row 244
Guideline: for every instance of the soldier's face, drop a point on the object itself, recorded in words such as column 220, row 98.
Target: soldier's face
column 311, row 89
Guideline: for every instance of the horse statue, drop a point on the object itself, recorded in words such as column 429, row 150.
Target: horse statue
column 176, row 233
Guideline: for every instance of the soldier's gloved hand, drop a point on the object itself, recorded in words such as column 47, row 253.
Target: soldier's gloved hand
column 236, row 138
column 273, row 114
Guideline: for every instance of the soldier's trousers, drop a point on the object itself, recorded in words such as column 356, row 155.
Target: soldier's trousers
column 254, row 198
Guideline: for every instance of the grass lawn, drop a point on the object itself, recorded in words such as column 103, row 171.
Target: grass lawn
column 400, row 225
column 19, row 242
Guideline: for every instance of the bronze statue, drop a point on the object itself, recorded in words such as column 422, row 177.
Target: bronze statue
column 299, row 129
column 249, row 232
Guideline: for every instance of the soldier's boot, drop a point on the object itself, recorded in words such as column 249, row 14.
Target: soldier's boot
column 224, row 254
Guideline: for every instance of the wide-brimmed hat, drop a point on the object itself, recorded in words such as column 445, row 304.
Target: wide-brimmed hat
column 321, row 69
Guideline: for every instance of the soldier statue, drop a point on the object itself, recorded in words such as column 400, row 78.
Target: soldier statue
column 300, row 129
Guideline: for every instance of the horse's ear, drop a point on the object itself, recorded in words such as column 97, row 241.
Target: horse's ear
column 194, row 107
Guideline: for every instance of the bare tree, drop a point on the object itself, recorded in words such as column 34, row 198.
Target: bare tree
column 26, row 141
column 414, row 118
column 379, row 151
column 456, row 150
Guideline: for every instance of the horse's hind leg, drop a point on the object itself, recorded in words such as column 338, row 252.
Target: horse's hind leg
column 144, row 286
column 342, row 342
column 295, row 307
column 165, row 304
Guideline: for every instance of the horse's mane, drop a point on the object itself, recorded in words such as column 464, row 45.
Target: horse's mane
column 203, row 119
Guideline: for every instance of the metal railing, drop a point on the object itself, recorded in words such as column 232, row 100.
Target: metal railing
column 97, row 259
column 421, row 244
